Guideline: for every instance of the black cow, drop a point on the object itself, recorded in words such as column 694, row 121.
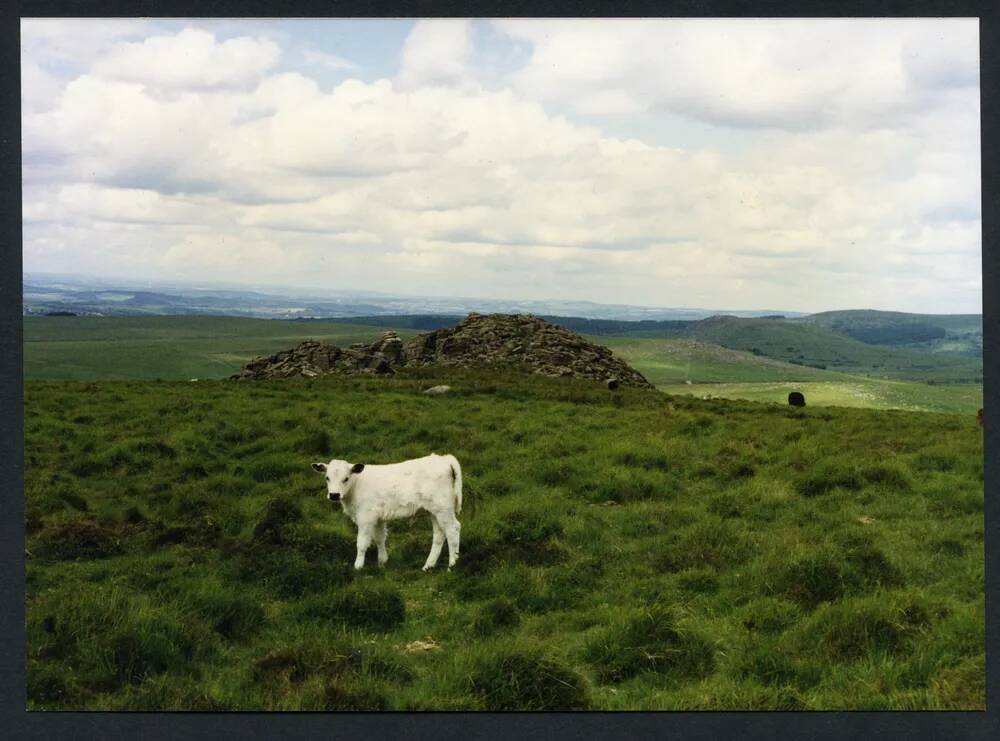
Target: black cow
column 796, row 399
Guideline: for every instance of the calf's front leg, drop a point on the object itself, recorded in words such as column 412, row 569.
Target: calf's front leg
column 365, row 533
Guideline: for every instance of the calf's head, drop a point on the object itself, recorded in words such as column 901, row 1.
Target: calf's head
column 340, row 477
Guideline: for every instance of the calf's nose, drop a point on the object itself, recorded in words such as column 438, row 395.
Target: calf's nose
column 334, row 497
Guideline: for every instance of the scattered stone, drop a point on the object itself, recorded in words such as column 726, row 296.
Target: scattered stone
column 437, row 390
column 796, row 399
column 413, row 646
column 865, row 520
column 519, row 341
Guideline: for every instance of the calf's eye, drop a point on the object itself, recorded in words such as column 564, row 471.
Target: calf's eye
column 345, row 480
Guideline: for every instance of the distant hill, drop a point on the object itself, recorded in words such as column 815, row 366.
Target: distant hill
column 812, row 344
column 84, row 295
column 956, row 333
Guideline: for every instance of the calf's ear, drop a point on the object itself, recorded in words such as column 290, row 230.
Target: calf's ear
column 321, row 467
column 357, row 468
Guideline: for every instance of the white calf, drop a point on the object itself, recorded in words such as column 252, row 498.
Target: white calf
column 373, row 495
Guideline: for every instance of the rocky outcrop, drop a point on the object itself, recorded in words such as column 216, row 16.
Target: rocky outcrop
column 518, row 341
column 312, row 358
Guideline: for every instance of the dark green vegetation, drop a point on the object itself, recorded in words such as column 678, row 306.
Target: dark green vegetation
column 962, row 333
column 619, row 550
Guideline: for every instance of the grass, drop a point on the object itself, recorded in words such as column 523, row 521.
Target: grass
column 674, row 361
column 186, row 347
column 699, row 368
column 625, row 550
column 811, row 344
column 167, row 347
column 849, row 391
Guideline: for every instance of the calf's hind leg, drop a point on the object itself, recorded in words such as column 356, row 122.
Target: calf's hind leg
column 452, row 527
column 438, row 542
column 380, row 533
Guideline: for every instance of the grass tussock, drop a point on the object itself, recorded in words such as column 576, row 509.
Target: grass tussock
column 527, row 680
column 650, row 640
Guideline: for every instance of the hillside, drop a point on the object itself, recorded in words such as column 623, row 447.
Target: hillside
column 808, row 344
column 676, row 361
column 184, row 347
column 620, row 551
column 957, row 333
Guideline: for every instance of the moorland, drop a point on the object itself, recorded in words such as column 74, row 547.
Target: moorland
column 627, row 549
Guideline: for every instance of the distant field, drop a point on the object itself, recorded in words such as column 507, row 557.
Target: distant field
column 732, row 374
column 166, row 347
column 183, row 347
column 856, row 392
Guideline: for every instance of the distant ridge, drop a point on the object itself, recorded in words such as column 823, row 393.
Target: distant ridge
column 87, row 295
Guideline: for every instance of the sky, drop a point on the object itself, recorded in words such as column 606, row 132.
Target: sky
column 803, row 165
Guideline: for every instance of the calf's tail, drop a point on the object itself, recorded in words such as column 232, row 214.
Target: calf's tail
column 456, row 482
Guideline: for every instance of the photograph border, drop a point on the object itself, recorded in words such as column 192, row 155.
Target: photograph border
column 21, row 724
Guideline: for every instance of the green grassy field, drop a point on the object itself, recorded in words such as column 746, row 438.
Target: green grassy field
column 814, row 345
column 166, row 347
column 848, row 392
column 180, row 348
column 731, row 374
column 622, row 550
column 670, row 361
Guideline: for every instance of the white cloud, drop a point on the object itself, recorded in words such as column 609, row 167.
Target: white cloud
column 56, row 41
column 39, row 89
column 437, row 52
column 432, row 183
column 191, row 59
column 793, row 74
